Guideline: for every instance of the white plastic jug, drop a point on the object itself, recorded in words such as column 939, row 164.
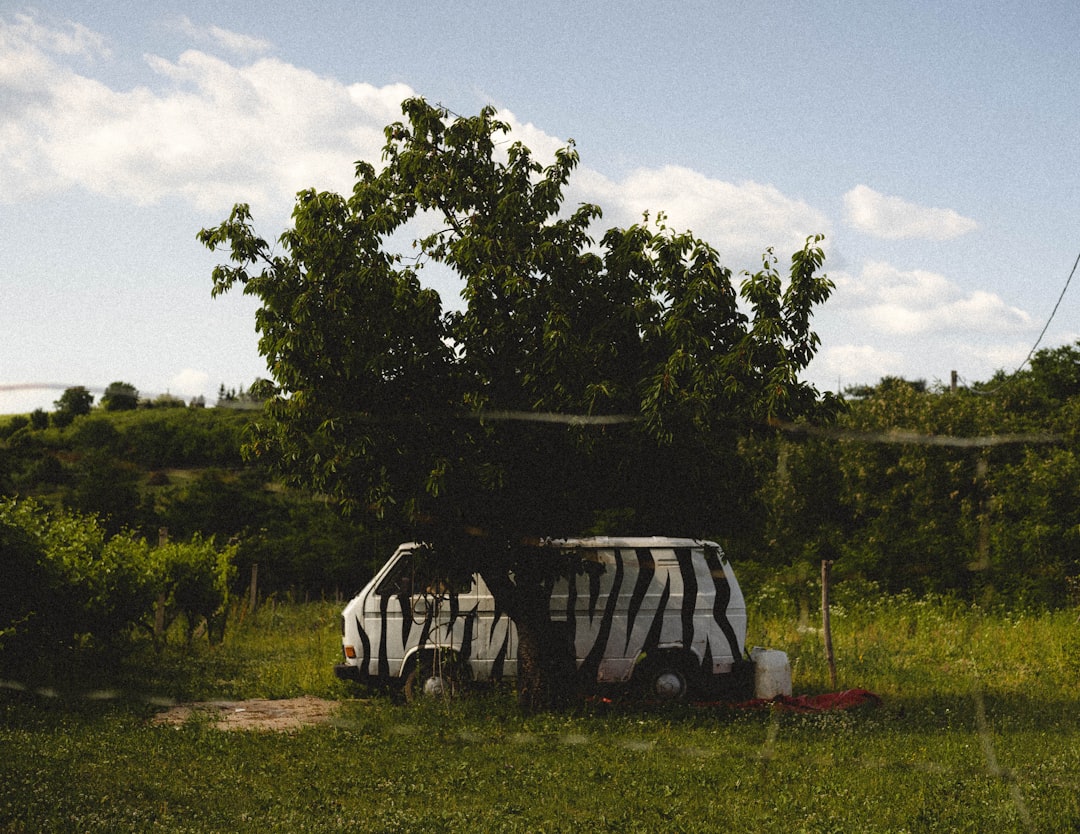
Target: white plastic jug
column 772, row 672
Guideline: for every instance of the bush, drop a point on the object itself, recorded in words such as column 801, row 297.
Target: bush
column 196, row 579
column 67, row 581
column 18, row 421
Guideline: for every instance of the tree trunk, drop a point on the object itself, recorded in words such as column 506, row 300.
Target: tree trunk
column 547, row 673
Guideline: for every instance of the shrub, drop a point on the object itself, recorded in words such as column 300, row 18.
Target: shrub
column 14, row 423
column 196, row 578
column 66, row 581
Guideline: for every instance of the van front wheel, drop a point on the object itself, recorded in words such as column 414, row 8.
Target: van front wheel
column 426, row 682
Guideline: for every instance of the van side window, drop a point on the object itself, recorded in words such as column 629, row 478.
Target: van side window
column 399, row 581
column 593, row 563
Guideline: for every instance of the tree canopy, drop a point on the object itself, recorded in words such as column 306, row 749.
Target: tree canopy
column 120, row 396
column 74, row 402
column 400, row 408
column 587, row 383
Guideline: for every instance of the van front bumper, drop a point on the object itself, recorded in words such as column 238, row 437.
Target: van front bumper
column 347, row 672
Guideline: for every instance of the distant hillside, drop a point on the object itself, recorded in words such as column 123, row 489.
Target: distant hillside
column 179, row 471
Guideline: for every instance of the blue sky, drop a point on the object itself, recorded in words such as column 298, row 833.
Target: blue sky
column 934, row 144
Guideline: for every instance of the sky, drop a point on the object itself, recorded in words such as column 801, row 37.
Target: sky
column 934, row 144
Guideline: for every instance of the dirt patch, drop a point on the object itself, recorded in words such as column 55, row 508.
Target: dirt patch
column 257, row 714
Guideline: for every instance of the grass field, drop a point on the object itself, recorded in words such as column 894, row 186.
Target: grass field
column 978, row 730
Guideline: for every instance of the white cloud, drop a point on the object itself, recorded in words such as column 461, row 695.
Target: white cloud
column 917, row 288
column 231, row 41
column 541, row 145
column 993, row 355
column 837, row 366
column 916, row 302
column 21, row 38
column 893, row 218
column 217, row 134
column 739, row 219
column 189, row 383
column 885, row 321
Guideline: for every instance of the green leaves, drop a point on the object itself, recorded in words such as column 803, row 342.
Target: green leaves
column 377, row 383
column 73, row 581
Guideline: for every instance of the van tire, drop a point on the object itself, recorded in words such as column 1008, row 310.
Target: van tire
column 424, row 683
column 667, row 678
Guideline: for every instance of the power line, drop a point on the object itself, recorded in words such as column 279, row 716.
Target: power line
column 1052, row 314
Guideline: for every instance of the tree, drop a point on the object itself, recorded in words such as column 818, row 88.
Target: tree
column 74, row 402
column 120, row 396
column 578, row 382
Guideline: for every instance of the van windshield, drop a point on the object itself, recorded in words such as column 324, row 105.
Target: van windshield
column 419, row 573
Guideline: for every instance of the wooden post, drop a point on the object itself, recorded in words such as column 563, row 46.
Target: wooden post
column 253, row 591
column 159, row 609
column 826, row 626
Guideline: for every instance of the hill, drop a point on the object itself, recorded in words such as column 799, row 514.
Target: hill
column 179, row 471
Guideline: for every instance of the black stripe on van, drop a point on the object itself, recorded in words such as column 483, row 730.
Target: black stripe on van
column 652, row 639
column 723, row 597
column 591, row 666
column 646, row 572
column 594, row 591
column 365, row 647
column 465, row 651
column 407, row 617
column 685, row 558
column 425, row 631
column 500, row 658
column 384, row 663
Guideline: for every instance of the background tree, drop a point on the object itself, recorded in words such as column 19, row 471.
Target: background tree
column 74, row 402
column 435, row 421
column 120, row 396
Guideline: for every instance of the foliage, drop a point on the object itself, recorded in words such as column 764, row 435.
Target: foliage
column 878, row 492
column 13, row 424
column 412, row 415
column 181, row 469
column 972, row 492
column 74, row 402
column 166, row 401
column 299, row 542
column 68, row 581
column 120, row 396
column 106, row 486
column 195, row 583
column 374, row 379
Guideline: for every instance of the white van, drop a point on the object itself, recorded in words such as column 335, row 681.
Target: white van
column 666, row 614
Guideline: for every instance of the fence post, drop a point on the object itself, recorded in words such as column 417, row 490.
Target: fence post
column 253, row 590
column 159, row 609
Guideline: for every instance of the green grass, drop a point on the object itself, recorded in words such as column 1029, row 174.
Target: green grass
column 979, row 730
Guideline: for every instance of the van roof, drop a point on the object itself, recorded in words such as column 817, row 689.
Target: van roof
column 630, row 542
column 614, row 541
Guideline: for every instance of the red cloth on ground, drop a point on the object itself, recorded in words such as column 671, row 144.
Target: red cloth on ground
column 815, row 703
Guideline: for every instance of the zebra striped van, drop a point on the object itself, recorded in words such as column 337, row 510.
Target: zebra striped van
column 666, row 614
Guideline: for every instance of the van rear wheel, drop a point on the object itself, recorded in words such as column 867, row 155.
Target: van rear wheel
column 667, row 678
